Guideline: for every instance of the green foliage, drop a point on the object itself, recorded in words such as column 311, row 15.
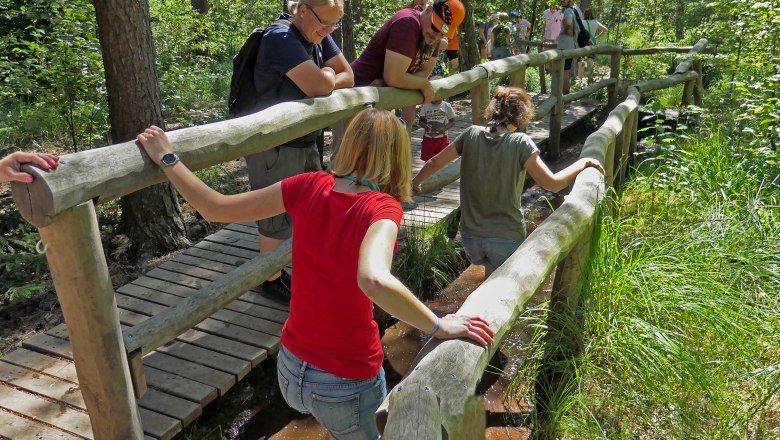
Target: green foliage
column 692, row 256
column 52, row 73
column 22, row 269
column 428, row 259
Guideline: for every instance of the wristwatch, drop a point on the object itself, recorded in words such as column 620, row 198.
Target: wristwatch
column 169, row 160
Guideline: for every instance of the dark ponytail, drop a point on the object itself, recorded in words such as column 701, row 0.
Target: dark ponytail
column 511, row 105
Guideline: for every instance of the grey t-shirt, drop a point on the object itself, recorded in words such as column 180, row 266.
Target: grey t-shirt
column 491, row 182
column 569, row 41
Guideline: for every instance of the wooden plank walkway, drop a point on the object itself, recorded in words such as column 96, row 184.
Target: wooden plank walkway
column 39, row 391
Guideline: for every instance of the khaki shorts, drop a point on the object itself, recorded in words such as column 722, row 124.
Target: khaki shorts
column 274, row 165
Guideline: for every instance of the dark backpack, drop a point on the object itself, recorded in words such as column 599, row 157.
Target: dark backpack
column 583, row 38
column 243, row 94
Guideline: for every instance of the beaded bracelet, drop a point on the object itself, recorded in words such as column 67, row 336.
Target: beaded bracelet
column 436, row 328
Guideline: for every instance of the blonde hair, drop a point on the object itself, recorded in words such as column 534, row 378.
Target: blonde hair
column 512, row 105
column 293, row 6
column 376, row 148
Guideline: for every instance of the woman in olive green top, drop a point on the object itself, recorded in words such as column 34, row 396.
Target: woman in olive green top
column 494, row 161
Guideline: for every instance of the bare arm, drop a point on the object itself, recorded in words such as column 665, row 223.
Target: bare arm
column 396, row 75
column 567, row 26
column 555, row 182
column 384, row 289
column 601, row 29
column 424, row 123
column 312, row 80
column 447, row 126
column 253, row 205
column 345, row 78
column 436, row 163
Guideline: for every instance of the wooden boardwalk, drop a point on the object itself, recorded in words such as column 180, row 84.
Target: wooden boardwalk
column 39, row 391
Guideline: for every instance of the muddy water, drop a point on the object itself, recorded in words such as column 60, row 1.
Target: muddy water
column 274, row 420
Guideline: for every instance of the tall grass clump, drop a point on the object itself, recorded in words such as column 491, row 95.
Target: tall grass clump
column 679, row 316
column 428, row 259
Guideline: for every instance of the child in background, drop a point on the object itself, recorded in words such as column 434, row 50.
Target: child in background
column 436, row 118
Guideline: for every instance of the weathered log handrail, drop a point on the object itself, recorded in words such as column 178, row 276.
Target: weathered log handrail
column 110, row 172
column 436, row 399
column 667, row 49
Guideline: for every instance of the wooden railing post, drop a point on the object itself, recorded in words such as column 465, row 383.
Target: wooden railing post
column 614, row 72
column 480, row 96
column 542, row 80
column 561, row 341
column 698, row 89
column 687, row 92
column 622, row 142
column 554, row 141
column 518, row 78
column 632, row 137
column 83, row 284
column 609, row 162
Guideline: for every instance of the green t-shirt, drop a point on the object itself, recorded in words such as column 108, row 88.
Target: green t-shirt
column 491, row 182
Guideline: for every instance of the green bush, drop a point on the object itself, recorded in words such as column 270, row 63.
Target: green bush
column 22, row 268
column 679, row 305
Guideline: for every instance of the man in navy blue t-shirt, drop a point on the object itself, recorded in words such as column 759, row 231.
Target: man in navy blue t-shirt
column 294, row 62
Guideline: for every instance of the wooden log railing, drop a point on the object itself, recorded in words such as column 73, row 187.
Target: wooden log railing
column 436, row 399
column 61, row 204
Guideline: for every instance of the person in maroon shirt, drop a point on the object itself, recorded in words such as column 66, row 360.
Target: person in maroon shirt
column 403, row 53
column 345, row 226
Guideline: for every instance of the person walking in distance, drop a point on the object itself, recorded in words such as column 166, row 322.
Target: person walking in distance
column 568, row 39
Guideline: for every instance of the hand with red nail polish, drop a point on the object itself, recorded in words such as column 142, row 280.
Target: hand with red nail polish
column 10, row 166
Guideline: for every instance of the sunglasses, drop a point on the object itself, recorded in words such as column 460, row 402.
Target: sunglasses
column 332, row 27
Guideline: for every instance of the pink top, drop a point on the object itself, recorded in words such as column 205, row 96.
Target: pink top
column 552, row 23
column 331, row 323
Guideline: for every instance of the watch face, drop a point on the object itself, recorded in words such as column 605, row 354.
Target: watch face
column 169, row 159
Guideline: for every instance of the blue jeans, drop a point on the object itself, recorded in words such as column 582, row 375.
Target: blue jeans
column 490, row 252
column 344, row 407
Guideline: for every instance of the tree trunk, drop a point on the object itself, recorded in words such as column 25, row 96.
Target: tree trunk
column 679, row 20
column 151, row 218
column 534, row 17
column 200, row 39
column 469, row 51
column 584, row 4
column 200, row 6
column 345, row 35
column 348, row 29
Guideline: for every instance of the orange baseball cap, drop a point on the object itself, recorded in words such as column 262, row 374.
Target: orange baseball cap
column 447, row 16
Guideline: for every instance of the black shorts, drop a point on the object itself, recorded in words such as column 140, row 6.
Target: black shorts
column 567, row 64
column 452, row 54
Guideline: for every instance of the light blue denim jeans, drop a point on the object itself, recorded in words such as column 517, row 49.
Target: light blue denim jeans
column 490, row 252
column 344, row 407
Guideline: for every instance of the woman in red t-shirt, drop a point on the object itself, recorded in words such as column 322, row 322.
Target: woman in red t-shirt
column 345, row 226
